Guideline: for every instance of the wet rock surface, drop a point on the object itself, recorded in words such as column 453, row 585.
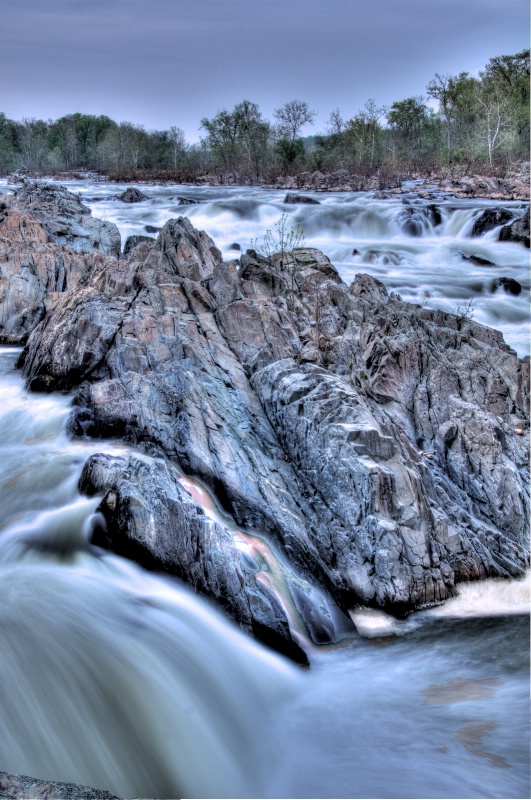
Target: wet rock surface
column 508, row 285
column 517, row 231
column 66, row 219
column 152, row 519
column 132, row 195
column 21, row 787
column 489, row 219
column 371, row 439
column 293, row 199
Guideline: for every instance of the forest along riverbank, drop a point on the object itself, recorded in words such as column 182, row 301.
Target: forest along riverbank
column 381, row 446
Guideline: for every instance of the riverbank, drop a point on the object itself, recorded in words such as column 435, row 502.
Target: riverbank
column 512, row 184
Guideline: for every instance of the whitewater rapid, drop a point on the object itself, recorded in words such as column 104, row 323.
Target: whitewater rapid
column 423, row 262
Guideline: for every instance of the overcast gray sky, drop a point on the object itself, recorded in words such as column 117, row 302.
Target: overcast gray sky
column 171, row 62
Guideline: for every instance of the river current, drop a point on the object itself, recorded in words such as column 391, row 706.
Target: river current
column 124, row 680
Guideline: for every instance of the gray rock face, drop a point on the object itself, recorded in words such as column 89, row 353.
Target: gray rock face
column 151, row 518
column 37, row 266
column 372, row 439
column 66, row 220
column 517, row 231
column 133, row 241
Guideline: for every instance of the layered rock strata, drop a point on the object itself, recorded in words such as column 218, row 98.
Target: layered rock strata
column 373, row 440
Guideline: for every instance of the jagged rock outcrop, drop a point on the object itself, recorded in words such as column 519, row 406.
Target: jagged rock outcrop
column 66, row 220
column 414, row 221
column 21, row 787
column 133, row 241
column 152, row 519
column 517, row 231
column 372, row 439
column 47, row 242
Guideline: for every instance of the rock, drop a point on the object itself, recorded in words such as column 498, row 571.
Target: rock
column 133, row 241
column 477, row 260
column 235, row 246
column 300, row 198
column 517, row 231
column 20, row 787
column 187, row 201
column 489, row 219
column 37, row 263
column 509, row 285
column 152, row 519
column 413, row 220
column 152, row 229
column 434, row 214
column 132, row 195
column 65, row 219
column 369, row 438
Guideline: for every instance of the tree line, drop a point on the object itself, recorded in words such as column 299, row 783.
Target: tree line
column 462, row 119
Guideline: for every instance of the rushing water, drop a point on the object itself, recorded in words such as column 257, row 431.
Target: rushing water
column 359, row 233
column 117, row 678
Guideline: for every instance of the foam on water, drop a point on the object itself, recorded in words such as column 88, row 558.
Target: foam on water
column 359, row 233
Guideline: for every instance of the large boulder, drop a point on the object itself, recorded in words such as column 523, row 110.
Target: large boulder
column 517, row 231
column 373, row 440
column 132, row 195
column 489, row 219
column 150, row 517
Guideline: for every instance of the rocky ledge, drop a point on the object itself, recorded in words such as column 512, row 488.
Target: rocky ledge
column 382, row 447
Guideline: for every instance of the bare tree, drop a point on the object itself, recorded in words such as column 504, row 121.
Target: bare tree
column 335, row 123
column 292, row 116
column 178, row 145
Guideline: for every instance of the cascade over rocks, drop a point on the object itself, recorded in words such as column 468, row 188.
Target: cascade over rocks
column 489, row 219
column 517, row 231
column 371, row 439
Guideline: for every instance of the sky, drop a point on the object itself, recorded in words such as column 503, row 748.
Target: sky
column 171, row 62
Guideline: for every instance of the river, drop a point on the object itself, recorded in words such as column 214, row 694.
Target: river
column 121, row 679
